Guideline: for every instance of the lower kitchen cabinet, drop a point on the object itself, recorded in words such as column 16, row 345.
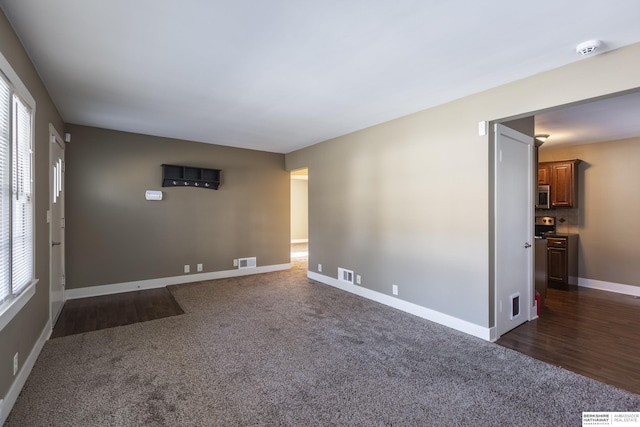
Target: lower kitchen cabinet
column 562, row 261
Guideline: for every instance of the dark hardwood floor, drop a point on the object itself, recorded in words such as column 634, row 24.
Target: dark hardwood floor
column 91, row 314
column 590, row 332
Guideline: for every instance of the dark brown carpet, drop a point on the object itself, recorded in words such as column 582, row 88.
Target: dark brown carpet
column 280, row 350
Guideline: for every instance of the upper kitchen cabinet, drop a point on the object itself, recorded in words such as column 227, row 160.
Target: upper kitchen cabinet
column 564, row 184
column 543, row 173
column 562, row 177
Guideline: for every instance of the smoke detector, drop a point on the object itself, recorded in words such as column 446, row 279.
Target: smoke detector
column 588, row 47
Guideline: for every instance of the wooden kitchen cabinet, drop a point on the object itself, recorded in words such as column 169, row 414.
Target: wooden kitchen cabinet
column 543, row 174
column 562, row 261
column 562, row 177
column 564, row 184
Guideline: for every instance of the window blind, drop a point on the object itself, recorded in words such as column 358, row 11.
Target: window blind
column 22, row 199
column 5, row 183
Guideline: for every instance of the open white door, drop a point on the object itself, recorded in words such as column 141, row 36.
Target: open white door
column 513, row 228
column 56, row 224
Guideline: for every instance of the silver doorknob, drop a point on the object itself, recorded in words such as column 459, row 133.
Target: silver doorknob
column 527, row 245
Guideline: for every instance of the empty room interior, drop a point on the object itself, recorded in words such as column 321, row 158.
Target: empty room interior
column 318, row 213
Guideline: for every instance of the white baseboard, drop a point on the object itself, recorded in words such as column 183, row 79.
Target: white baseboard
column 487, row 334
column 21, row 378
column 94, row 291
column 299, row 240
column 618, row 288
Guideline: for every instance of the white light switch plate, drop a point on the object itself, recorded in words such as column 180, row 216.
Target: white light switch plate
column 482, row 128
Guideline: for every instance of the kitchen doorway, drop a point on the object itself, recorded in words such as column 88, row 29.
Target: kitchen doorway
column 590, row 328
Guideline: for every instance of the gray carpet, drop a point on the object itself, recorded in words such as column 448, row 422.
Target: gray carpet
column 280, row 350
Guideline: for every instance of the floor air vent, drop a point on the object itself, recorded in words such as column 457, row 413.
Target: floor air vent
column 515, row 305
column 345, row 275
column 247, row 262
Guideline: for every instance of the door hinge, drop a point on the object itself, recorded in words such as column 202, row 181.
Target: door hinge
column 62, row 280
column 62, row 223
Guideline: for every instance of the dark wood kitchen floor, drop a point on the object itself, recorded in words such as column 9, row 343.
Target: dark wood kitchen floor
column 590, row 332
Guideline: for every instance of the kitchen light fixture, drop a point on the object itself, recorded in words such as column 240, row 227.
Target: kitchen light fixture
column 542, row 137
column 588, row 47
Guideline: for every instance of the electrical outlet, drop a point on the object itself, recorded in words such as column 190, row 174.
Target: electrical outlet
column 394, row 289
column 199, row 267
column 358, row 279
column 15, row 364
column 319, row 268
column 235, row 262
column 187, row 268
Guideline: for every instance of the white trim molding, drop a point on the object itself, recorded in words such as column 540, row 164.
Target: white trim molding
column 21, row 378
column 116, row 288
column 484, row 333
column 618, row 288
column 299, row 240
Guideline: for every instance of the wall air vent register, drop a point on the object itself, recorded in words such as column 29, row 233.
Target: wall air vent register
column 345, row 275
column 247, row 262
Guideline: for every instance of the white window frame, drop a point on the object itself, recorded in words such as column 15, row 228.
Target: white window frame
column 10, row 308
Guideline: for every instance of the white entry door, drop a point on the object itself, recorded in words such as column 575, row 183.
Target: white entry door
column 56, row 224
column 513, row 228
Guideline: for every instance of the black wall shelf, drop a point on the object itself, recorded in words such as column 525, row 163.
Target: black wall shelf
column 189, row 176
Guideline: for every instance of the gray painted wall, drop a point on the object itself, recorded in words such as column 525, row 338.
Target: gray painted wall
column 21, row 334
column 608, row 213
column 114, row 235
column 408, row 202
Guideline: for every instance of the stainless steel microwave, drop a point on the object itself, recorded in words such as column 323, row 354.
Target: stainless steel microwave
column 543, row 201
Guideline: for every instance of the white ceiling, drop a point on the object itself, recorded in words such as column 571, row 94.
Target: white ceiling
column 597, row 121
column 279, row 75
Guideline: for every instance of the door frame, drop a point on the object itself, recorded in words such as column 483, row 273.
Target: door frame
column 301, row 174
column 528, row 300
column 56, row 139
